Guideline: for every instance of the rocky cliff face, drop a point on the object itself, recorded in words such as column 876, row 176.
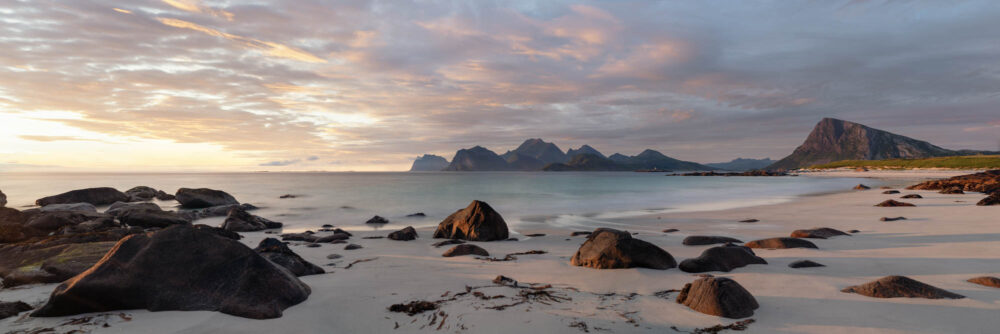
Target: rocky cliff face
column 834, row 140
column 477, row 159
column 428, row 163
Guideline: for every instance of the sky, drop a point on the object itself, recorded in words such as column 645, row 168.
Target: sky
column 188, row 85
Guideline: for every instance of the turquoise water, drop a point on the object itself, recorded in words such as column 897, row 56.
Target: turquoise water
column 347, row 200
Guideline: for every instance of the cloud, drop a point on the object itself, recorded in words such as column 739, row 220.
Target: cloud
column 54, row 138
column 281, row 163
column 270, row 48
column 312, row 158
column 195, row 6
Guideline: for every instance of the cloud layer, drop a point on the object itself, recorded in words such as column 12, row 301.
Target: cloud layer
column 368, row 85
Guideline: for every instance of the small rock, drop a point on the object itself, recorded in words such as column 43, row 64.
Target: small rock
column 405, row 234
column 533, row 235
column 912, row 196
column 817, row 233
column 10, row 309
column 670, row 230
column 313, row 245
column 721, row 258
column 698, row 240
column 989, row 281
column 854, row 231
column 331, row 238
column 288, row 196
column 333, row 256
column 952, row 191
column 718, row 296
column 448, row 242
column 607, row 248
column 900, row 286
column 377, row 220
column 892, row 219
column 861, row 187
column 418, row 214
column 804, row 264
column 751, row 220
column 889, row 192
column 578, row 233
column 781, row 243
column 893, row 203
column 476, row 222
column 465, row 249
column 993, row 199
column 352, row 247
column 327, row 226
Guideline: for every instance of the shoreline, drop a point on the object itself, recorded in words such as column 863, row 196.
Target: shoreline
column 943, row 243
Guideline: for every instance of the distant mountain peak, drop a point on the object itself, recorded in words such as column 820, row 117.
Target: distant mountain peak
column 541, row 150
column 584, row 149
column 834, row 140
column 429, row 162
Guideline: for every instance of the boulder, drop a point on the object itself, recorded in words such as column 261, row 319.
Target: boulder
column 891, row 219
column 984, row 182
column 607, row 248
column 352, row 247
column 56, row 258
column 893, row 203
column 954, row 190
column 3, row 199
column 697, row 240
column 721, row 258
column 333, row 237
column 144, row 193
column 219, row 231
column 93, row 225
column 304, row 236
column 212, row 211
column 780, row 243
column 95, row 196
column 418, row 214
column 10, row 309
column 912, row 196
column 448, row 242
column 818, row 233
column 993, row 199
column 239, row 220
column 377, row 220
column 465, row 249
column 280, row 254
column 804, row 264
column 477, row 222
column 405, row 234
column 52, row 221
column 148, row 216
column 718, row 296
column 204, row 198
column 670, row 230
column 989, row 281
column 890, row 192
column 900, row 286
column 179, row 268
column 861, row 187
column 69, row 207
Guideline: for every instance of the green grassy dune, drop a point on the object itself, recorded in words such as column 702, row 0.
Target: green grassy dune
column 957, row 162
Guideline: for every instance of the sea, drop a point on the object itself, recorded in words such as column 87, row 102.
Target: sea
column 577, row 200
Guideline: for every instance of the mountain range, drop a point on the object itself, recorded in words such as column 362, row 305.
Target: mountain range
column 834, row 140
column 741, row 164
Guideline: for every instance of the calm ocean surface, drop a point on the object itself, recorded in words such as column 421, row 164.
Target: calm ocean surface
column 347, row 200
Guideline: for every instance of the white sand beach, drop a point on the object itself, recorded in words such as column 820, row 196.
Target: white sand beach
column 945, row 240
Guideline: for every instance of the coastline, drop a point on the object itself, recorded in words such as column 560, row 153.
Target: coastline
column 943, row 243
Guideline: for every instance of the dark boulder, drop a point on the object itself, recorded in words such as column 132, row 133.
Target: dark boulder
column 465, row 249
column 10, row 309
column 52, row 221
column 144, row 193
column 751, row 220
column 95, row 196
column 954, row 190
column 607, row 248
column 721, row 258
column 352, row 247
column 818, row 233
column 477, row 222
column 204, row 198
column 377, row 220
column 405, row 234
column 579, row 233
column 418, row 214
column 670, row 230
column 3, row 199
column 280, row 254
column 212, row 211
column 331, row 238
column 804, row 264
column 219, row 231
column 993, row 199
column 912, row 196
column 718, row 296
column 891, row 219
column 900, row 286
column 890, row 192
column 304, row 236
column 698, row 240
column 69, row 207
column 179, row 268
column 989, row 281
column 56, row 258
column 781, row 243
column 861, row 187
column 893, row 203
column 148, row 216
column 448, row 242
column 239, row 220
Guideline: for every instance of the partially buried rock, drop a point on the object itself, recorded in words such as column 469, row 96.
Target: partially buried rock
column 670, row 230
column 612, row 249
column 718, row 296
column 781, row 243
column 179, row 268
column 448, row 242
column 405, row 234
column 892, row 219
column 95, row 196
column 861, row 187
column 280, row 254
column 804, row 264
column 377, row 220
column 418, row 214
column 579, row 233
column 239, row 220
column 465, row 249
column 893, row 203
column 333, row 256
column 333, row 237
column 989, row 281
column 912, row 196
column 697, row 240
column 889, row 192
column 204, row 198
column 721, row 258
column 477, row 222
column 143, row 193
column 751, row 220
column 900, row 286
column 148, row 215
column 287, row 196
column 818, row 233
column 993, row 199
column 10, row 309
column 352, row 247
column 952, row 191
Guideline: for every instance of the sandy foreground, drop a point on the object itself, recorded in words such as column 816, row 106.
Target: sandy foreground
column 946, row 240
